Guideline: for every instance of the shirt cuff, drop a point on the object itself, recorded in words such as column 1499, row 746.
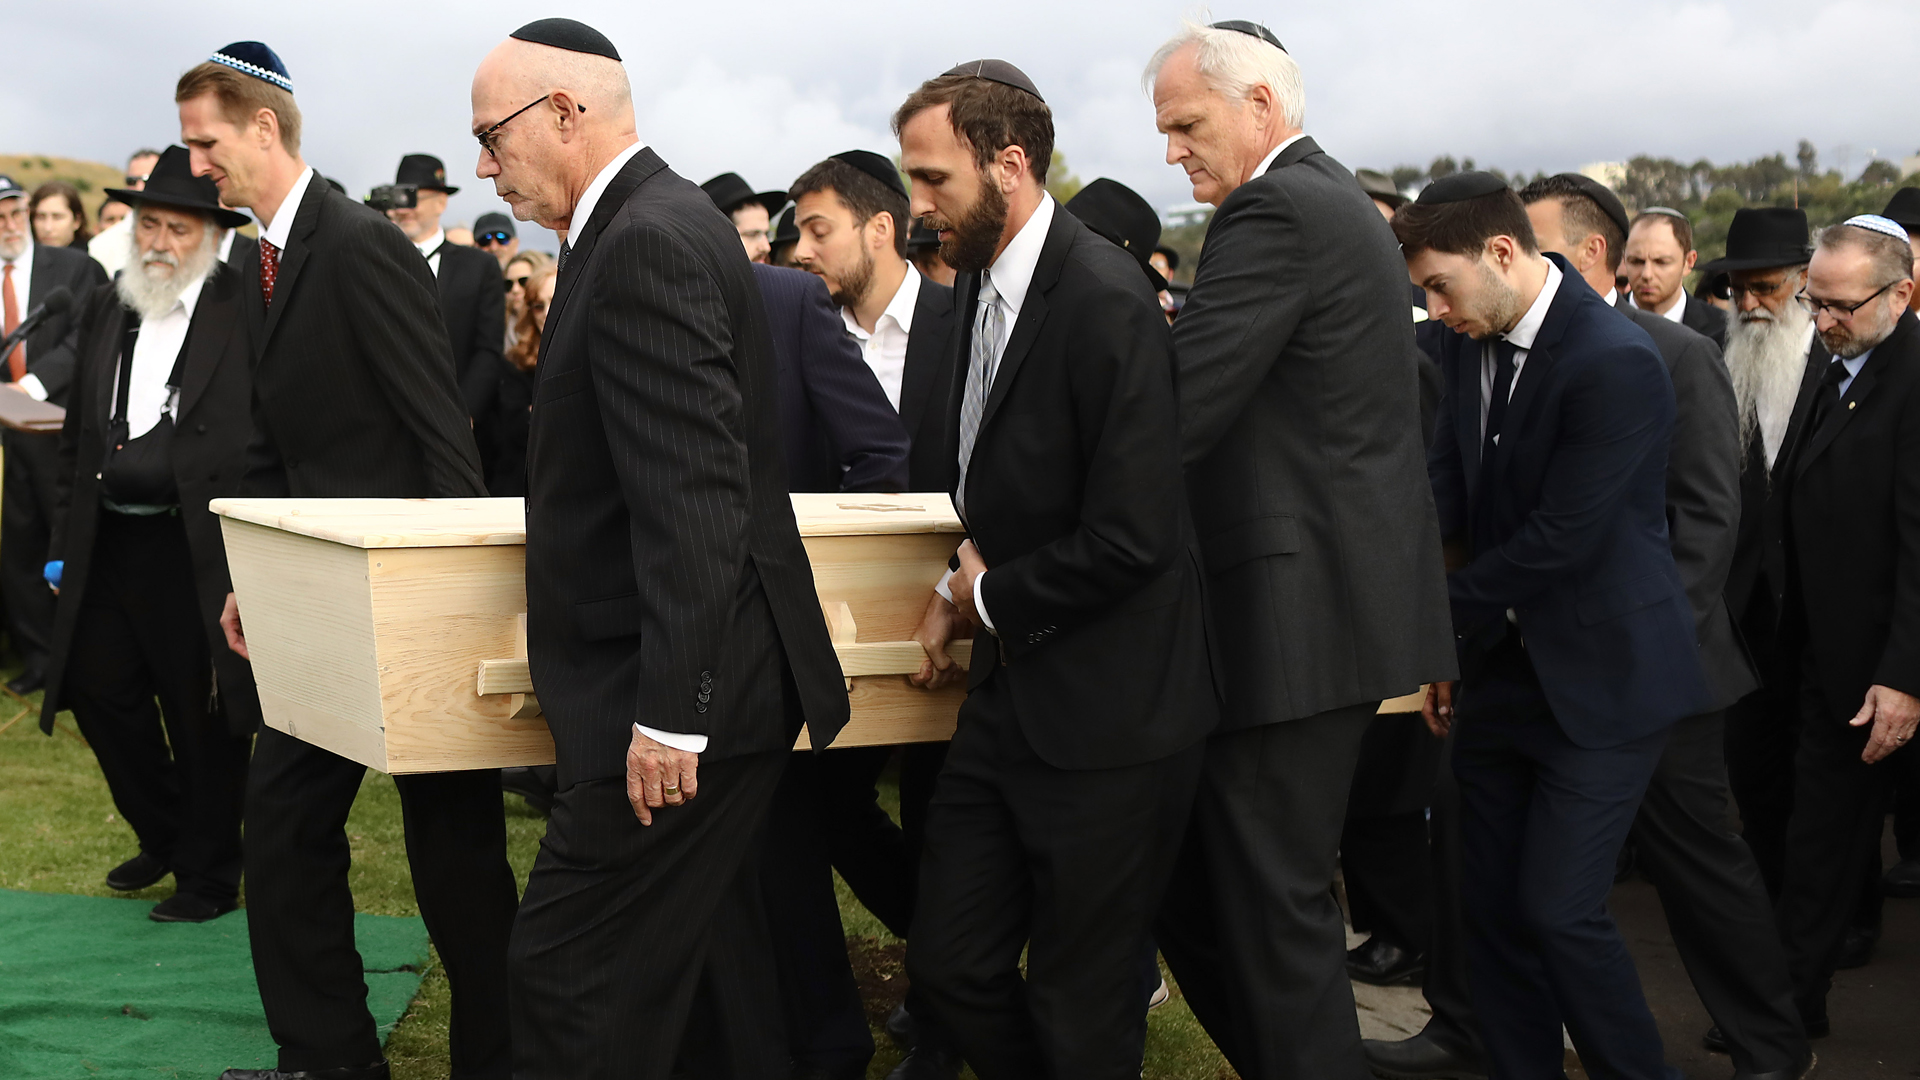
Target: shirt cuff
column 31, row 384
column 690, row 744
column 980, row 601
column 945, row 587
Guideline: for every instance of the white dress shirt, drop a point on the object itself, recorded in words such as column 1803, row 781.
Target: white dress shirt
column 154, row 352
column 885, row 350
column 430, row 248
column 1853, row 367
column 1267, row 162
column 225, row 251
column 281, row 230
column 1012, row 275
column 111, row 246
column 1672, row 314
column 590, row 198
column 22, row 289
column 1521, row 336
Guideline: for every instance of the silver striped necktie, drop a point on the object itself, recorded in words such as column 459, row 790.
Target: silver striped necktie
column 988, row 325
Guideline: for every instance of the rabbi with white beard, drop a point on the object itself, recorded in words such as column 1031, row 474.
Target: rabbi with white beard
column 1776, row 361
column 157, row 425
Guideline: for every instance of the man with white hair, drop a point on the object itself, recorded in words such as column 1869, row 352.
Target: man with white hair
column 1853, row 544
column 1299, row 394
column 138, row 559
column 674, row 634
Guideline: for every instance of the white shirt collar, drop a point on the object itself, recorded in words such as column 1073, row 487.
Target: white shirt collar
column 1672, row 314
column 1613, row 297
column 225, row 252
column 590, row 199
column 1267, row 162
column 190, row 297
column 1524, row 331
column 899, row 309
column 1013, row 271
column 432, row 243
column 281, row 230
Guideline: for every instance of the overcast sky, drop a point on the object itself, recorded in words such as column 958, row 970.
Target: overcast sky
column 765, row 89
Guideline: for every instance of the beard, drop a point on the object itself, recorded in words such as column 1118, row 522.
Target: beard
column 153, row 280
column 977, row 231
column 856, row 282
column 1848, row 340
column 1767, row 357
column 1500, row 302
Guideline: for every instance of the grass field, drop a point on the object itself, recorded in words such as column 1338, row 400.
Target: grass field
column 59, row 833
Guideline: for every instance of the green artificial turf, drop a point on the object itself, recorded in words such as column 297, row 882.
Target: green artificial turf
column 59, row 834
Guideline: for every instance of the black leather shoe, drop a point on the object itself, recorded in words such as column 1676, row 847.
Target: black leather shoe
column 376, row 1071
column 1379, row 962
column 1715, row 1040
column 902, row 1028
column 136, row 873
column 1420, row 1058
column 28, row 682
column 186, row 907
column 1902, row 880
column 1800, row 1072
column 928, row 1063
column 1856, row 949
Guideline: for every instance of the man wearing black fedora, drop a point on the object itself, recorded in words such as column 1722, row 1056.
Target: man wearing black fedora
column 750, row 211
column 158, row 425
column 472, row 303
column 1904, row 210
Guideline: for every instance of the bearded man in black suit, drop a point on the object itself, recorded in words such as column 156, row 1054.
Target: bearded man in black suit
column 674, row 633
column 1300, row 417
column 353, row 396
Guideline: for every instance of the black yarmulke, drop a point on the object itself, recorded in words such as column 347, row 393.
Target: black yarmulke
column 1603, row 197
column 568, row 34
column 1251, row 29
column 1460, row 187
column 996, row 71
column 875, row 166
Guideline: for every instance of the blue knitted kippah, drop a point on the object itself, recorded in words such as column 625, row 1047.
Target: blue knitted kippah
column 253, row 58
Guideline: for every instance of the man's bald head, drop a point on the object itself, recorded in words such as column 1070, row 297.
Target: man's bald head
column 581, row 116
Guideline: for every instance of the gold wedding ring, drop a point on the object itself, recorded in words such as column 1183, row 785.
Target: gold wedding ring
column 669, row 789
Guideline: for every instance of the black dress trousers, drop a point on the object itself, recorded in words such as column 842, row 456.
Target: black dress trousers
column 175, row 772
column 1384, row 846
column 26, row 531
column 1762, row 736
column 300, row 909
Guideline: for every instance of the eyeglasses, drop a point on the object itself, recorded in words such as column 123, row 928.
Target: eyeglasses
column 1836, row 310
column 488, row 239
column 520, row 281
column 133, row 180
column 488, row 137
column 1761, row 289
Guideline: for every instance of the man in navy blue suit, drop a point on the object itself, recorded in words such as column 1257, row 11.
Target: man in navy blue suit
column 1575, row 638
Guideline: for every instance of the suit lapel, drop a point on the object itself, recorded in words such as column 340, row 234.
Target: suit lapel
column 925, row 343
column 580, row 245
column 1301, row 147
column 213, row 323
column 305, row 218
column 1857, row 391
column 1466, row 420
column 1810, row 376
column 1033, row 312
column 106, row 363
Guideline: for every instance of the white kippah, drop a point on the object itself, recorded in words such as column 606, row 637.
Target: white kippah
column 1880, row 225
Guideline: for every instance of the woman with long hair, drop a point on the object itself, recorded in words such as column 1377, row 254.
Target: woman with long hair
column 518, row 270
column 59, row 218
column 514, row 402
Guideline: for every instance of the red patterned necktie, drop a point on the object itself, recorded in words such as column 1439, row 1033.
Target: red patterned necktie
column 17, row 362
column 269, row 269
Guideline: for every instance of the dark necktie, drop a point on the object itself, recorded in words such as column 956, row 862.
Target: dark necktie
column 269, row 269
column 565, row 250
column 1826, row 397
column 1503, row 352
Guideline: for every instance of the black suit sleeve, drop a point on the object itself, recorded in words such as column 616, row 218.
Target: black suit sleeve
column 398, row 329
column 866, row 434
column 52, row 362
column 1120, row 375
column 1250, row 293
column 1899, row 665
column 1445, row 469
column 1618, row 411
column 1703, row 475
column 671, row 408
column 480, row 372
column 96, row 313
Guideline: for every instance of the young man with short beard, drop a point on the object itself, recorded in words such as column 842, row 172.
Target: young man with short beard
column 158, row 426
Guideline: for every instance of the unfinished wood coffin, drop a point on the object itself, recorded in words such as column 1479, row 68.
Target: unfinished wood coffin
column 390, row 631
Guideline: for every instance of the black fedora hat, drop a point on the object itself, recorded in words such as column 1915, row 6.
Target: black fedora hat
column 1379, row 185
column 1904, row 209
column 1763, row 237
column 172, row 183
column 922, row 238
column 730, row 193
column 1118, row 213
column 425, row 172
column 785, row 231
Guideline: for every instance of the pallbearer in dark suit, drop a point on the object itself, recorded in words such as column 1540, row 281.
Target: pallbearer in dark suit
column 1058, row 813
column 159, row 425
column 1300, row 421
column 41, row 367
column 1853, row 596
column 1659, row 254
column 674, row 632
column 1577, row 645
column 353, row 396
column 472, row 303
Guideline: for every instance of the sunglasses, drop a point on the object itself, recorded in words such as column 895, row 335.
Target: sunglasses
column 520, row 281
column 132, row 180
column 488, row 239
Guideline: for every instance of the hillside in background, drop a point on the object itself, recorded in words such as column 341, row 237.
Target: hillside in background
column 91, row 177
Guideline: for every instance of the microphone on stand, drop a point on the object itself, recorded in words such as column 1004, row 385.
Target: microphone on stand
column 57, row 301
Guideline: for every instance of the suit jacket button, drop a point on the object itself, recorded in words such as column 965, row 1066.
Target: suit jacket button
column 201, row 428
column 704, row 697
column 699, row 708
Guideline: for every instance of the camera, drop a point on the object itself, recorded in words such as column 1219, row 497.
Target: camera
column 394, row 197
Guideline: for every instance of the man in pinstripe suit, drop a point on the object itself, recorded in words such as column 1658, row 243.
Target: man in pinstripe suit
column 674, row 635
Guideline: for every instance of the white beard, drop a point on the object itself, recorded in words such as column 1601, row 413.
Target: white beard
column 151, row 295
column 1767, row 359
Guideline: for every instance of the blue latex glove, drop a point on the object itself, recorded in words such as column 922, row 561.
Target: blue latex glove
column 52, row 572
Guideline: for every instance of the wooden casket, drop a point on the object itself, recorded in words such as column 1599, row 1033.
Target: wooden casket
column 392, row 631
